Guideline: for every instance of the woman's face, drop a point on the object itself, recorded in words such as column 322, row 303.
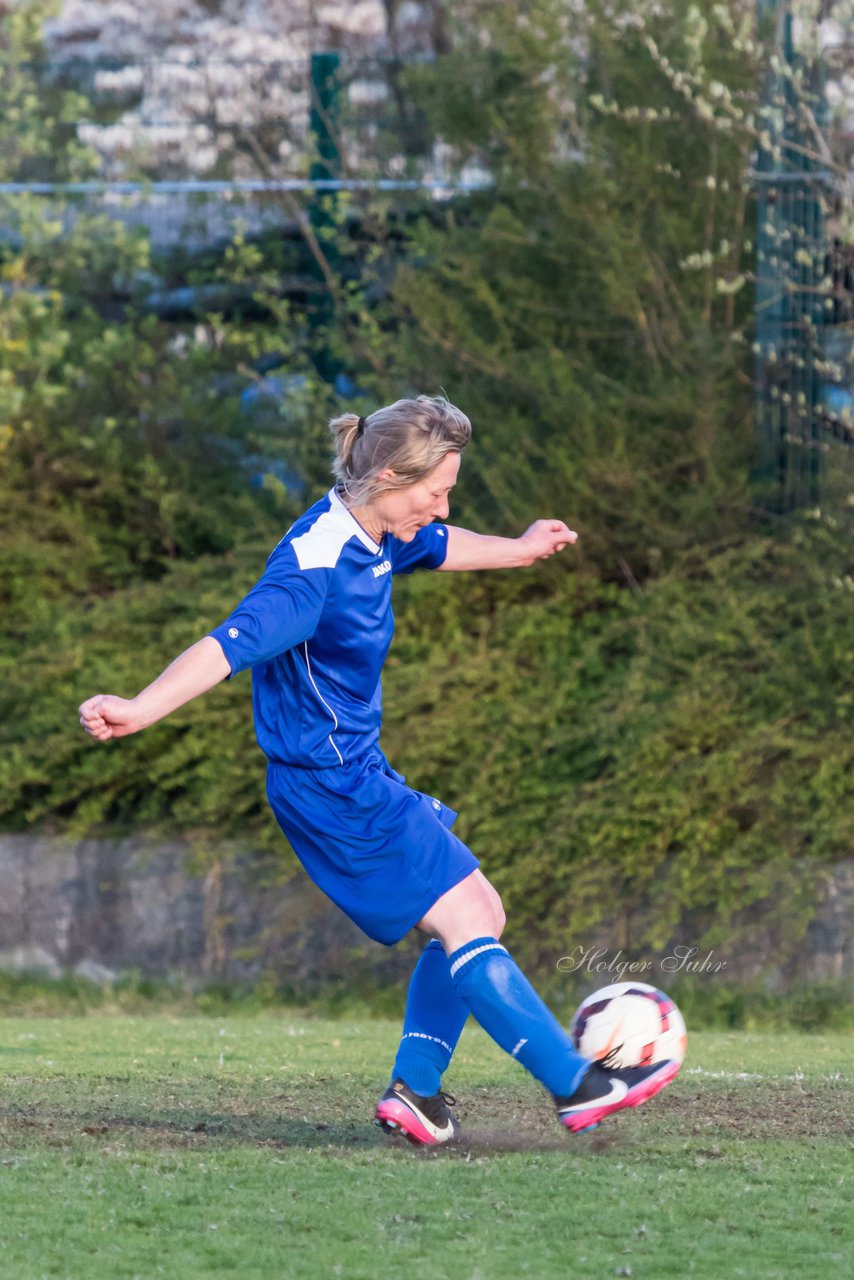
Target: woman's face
column 402, row 512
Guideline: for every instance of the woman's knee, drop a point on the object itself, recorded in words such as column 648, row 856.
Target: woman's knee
column 496, row 907
column 471, row 910
column 500, row 917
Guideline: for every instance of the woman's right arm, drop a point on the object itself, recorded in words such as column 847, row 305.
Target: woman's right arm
column 280, row 611
column 197, row 669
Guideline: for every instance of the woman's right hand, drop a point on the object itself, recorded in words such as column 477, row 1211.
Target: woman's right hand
column 106, row 716
column 194, row 671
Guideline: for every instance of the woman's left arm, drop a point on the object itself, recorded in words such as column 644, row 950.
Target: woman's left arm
column 467, row 550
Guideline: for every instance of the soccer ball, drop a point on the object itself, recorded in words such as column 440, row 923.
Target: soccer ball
column 629, row 1024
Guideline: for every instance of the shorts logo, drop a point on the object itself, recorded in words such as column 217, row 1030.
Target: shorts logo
column 379, row 569
column 233, row 632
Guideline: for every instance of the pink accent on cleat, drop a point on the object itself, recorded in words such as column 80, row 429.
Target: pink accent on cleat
column 587, row 1117
column 424, row 1121
column 393, row 1114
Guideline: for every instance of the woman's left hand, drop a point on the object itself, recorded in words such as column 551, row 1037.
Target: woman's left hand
column 545, row 537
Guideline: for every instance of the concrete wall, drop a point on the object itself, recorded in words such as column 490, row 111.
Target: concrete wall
column 138, row 905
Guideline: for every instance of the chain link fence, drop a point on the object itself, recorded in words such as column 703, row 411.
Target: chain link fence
column 805, row 284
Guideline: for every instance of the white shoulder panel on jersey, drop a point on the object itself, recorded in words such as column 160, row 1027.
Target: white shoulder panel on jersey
column 321, row 546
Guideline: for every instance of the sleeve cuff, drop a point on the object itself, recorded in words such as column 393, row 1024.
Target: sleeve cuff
column 440, row 553
column 230, row 655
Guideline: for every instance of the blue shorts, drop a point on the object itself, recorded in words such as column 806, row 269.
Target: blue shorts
column 381, row 851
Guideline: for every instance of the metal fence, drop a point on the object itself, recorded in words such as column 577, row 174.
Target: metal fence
column 193, row 152
column 804, row 300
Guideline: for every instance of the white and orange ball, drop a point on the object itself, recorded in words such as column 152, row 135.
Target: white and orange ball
column 629, row 1024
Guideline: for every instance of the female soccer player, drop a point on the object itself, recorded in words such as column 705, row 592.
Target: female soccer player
column 315, row 630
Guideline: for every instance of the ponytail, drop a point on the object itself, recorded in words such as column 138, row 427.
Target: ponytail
column 346, row 433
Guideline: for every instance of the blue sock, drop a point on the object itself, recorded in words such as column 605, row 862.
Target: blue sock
column 435, row 1017
column 508, row 1008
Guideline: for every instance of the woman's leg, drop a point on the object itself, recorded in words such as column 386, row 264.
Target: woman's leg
column 492, row 986
column 435, row 1017
column 435, row 1013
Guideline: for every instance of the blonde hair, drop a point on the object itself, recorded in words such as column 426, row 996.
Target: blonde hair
column 409, row 438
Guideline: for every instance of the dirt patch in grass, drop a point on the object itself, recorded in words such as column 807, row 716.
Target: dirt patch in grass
column 497, row 1120
column 755, row 1110
column 766, row 1110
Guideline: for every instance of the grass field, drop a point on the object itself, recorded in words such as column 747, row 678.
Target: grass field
column 137, row 1147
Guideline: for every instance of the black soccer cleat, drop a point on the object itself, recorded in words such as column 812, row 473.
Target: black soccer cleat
column 603, row 1092
column 425, row 1122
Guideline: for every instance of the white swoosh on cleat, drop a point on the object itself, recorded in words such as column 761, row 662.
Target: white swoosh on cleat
column 617, row 1093
column 447, row 1132
column 441, row 1135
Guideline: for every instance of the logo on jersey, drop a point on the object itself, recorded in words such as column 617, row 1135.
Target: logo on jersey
column 379, row 569
column 233, row 632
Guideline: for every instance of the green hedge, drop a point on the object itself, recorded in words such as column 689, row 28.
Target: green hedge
column 679, row 752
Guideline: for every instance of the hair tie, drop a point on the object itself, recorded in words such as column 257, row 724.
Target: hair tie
column 361, row 427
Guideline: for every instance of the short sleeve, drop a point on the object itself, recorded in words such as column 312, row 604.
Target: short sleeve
column 427, row 550
column 281, row 611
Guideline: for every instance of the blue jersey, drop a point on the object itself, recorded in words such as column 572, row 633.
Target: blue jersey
column 316, row 629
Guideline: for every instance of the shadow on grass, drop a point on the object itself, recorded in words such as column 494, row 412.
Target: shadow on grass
column 58, row 1128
